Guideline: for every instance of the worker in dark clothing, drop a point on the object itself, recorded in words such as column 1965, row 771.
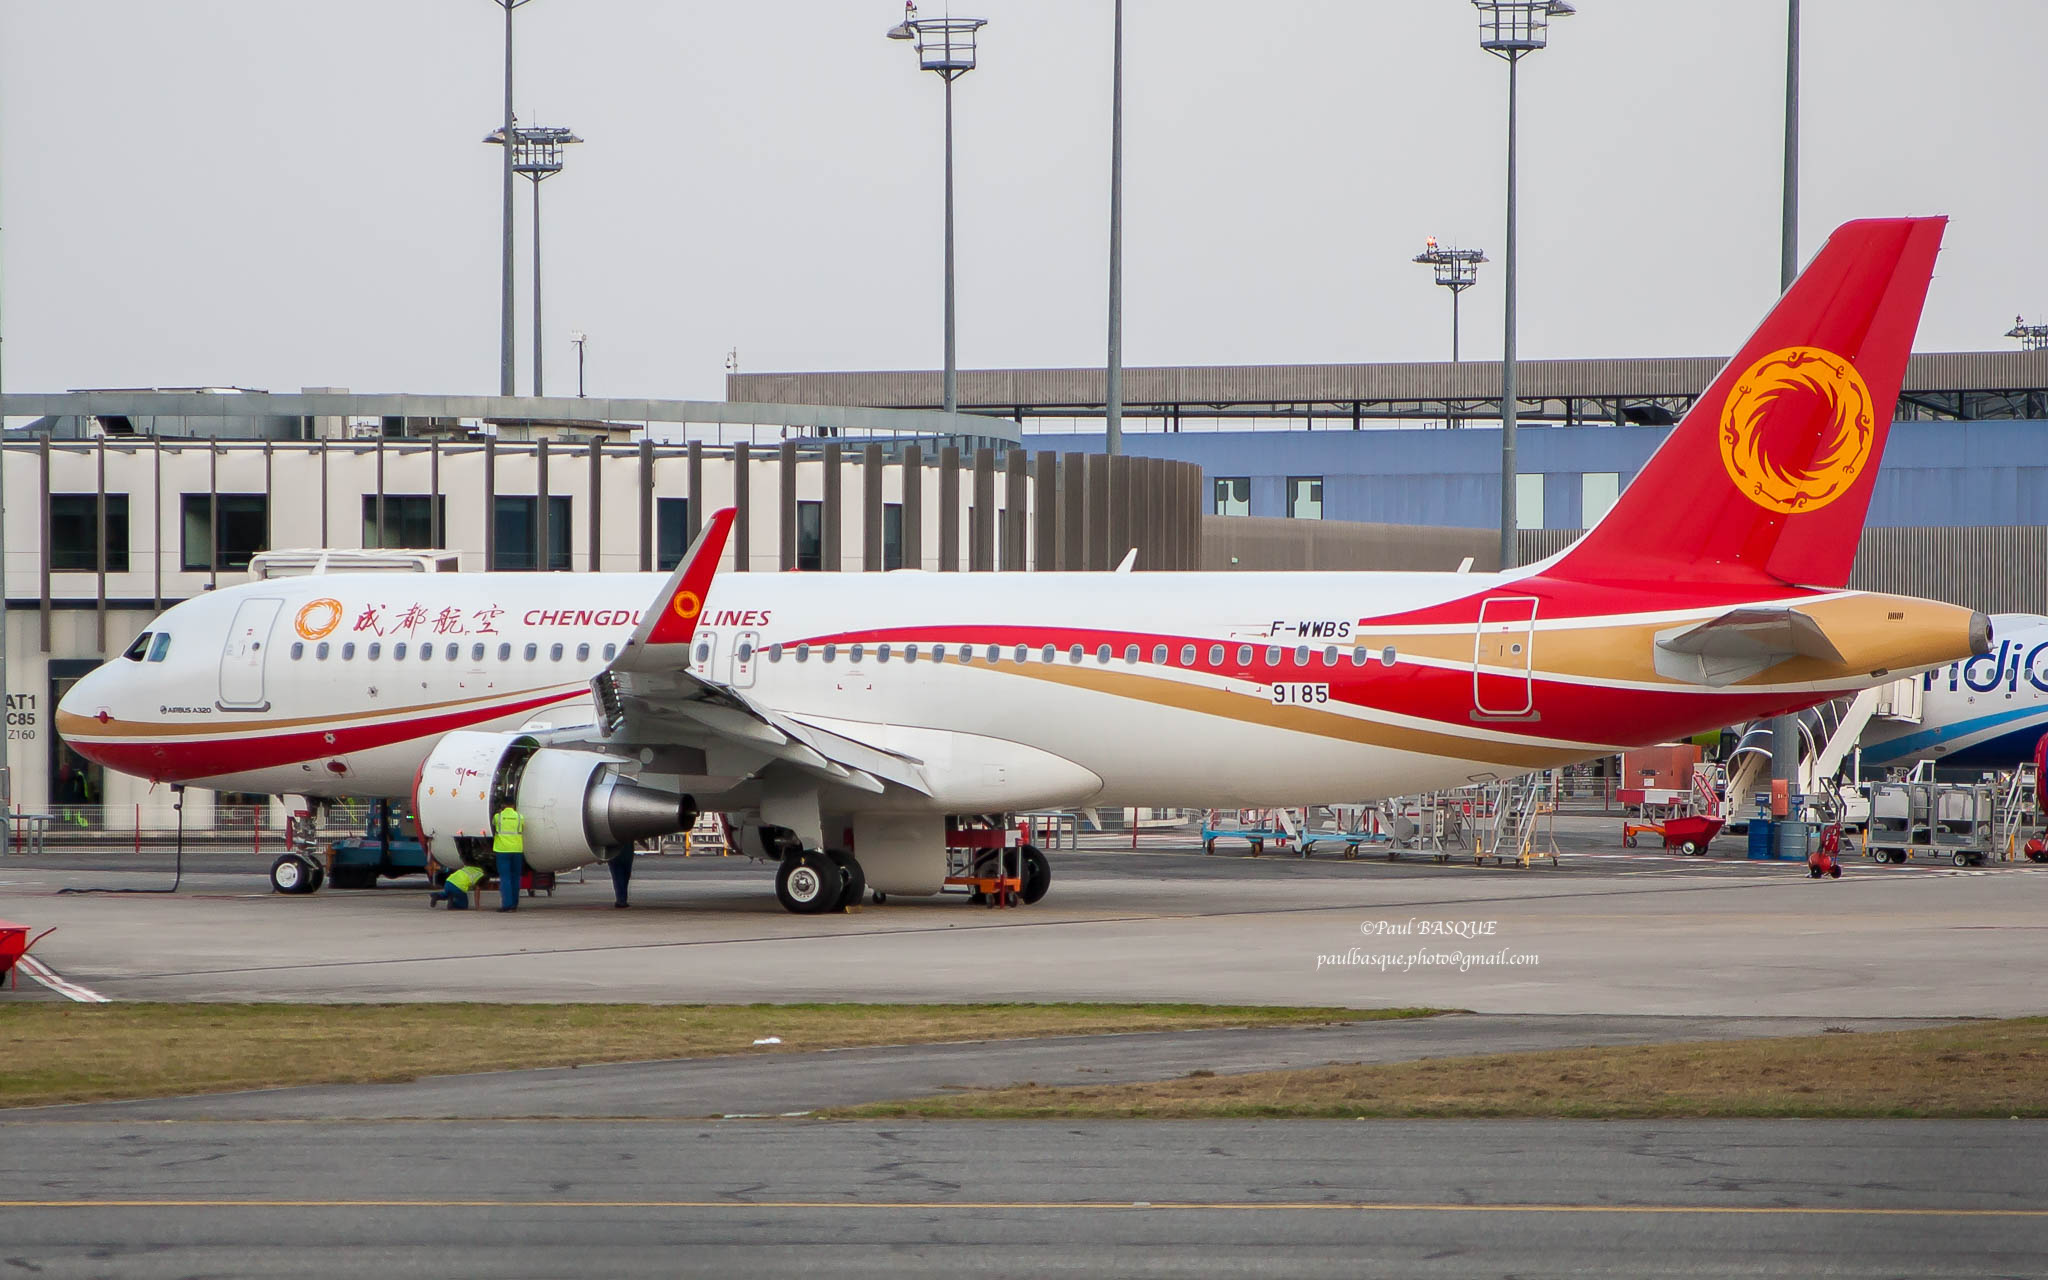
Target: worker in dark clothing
column 455, row 890
column 508, row 832
column 621, row 865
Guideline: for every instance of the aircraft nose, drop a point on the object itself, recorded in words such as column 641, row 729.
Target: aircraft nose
column 83, row 709
column 1980, row 634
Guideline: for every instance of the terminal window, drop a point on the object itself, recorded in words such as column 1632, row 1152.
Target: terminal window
column 75, row 532
column 515, row 533
column 1597, row 492
column 1305, row 497
column 671, row 532
column 810, row 536
column 892, row 535
column 1233, row 495
column 1529, row 502
column 410, row 520
column 241, row 528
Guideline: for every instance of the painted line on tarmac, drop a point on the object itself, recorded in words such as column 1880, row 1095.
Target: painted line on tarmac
column 56, row 982
column 1057, row 1206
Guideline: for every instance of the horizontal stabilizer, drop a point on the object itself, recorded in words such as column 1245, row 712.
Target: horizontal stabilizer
column 1739, row 644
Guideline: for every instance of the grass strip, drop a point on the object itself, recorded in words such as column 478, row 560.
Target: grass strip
column 85, row 1053
column 1978, row 1069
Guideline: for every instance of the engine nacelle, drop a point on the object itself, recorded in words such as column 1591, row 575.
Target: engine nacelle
column 578, row 807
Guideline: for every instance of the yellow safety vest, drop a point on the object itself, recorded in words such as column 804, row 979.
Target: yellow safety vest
column 465, row 878
column 506, row 831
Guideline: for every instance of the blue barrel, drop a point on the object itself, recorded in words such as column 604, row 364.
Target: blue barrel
column 1760, row 838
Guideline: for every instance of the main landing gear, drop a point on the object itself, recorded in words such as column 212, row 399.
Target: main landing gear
column 811, row 883
column 299, row 868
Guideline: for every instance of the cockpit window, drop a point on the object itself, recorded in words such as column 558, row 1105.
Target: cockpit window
column 137, row 651
column 161, row 648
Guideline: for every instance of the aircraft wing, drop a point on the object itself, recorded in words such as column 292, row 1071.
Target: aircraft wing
column 649, row 697
column 1740, row 643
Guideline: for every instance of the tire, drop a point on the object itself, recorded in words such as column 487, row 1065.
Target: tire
column 292, row 874
column 1960, row 858
column 853, row 882
column 1814, row 872
column 1835, row 872
column 319, row 878
column 807, row 883
column 1037, row 874
column 1689, row 848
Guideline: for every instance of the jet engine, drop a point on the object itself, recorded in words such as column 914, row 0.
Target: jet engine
column 578, row 806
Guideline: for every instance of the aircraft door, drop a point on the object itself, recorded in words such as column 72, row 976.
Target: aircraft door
column 746, row 653
column 1502, row 657
column 241, row 659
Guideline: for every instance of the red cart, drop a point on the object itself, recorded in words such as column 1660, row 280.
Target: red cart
column 14, row 944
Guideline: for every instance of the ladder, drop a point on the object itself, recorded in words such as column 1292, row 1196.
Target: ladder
column 1519, row 803
column 2019, row 816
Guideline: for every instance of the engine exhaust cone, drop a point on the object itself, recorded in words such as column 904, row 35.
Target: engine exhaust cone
column 620, row 812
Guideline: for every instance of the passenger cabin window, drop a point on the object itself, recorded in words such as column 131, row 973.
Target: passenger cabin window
column 774, row 653
column 611, row 651
column 455, row 651
column 504, row 653
column 375, row 651
column 162, row 648
column 1301, row 655
column 1102, row 653
column 803, row 653
column 1330, row 656
column 1244, row 655
column 398, row 651
column 1049, row 654
column 555, row 653
column 1074, row 654
column 1215, row 655
column 1023, row 653
column 1187, row 655
column 583, row 653
column 1359, row 657
column 321, row 652
column 938, row 653
column 426, row 653
column 856, row 653
column 1158, row 655
column 1272, row 655
column 348, row 651
column 831, row 653
column 910, row 653
column 881, row 653
column 298, row 650
column 138, row 649
column 532, row 652
column 476, row 652
column 1387, row 656
column 995, row 653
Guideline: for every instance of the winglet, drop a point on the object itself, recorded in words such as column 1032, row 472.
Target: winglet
column 674, row 617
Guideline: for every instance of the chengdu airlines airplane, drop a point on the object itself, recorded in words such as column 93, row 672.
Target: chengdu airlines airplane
column 850, row 726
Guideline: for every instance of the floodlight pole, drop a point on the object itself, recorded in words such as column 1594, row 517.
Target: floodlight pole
column 1113, row 372
column 1785, row 729
column 946, row 47
column 1510, row 29
column 505, row 357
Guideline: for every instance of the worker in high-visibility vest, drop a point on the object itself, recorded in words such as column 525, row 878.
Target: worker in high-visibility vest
column 508, row 841
column 455, row 890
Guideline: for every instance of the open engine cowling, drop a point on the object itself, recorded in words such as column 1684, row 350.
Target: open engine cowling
column 578, row 807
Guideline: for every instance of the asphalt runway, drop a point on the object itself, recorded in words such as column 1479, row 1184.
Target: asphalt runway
column 795, row 1198
column 1607, row 932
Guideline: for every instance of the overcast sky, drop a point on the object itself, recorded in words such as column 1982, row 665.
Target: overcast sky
column 277, row 193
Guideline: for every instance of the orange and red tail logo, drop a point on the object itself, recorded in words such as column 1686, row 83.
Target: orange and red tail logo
column 1797, row 429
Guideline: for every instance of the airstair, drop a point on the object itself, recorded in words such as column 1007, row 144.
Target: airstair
column 1827, row 734
column 1520, row 807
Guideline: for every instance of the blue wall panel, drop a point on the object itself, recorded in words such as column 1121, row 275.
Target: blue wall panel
column 1934, row 473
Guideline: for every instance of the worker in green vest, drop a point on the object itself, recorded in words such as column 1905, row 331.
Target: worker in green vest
column 508, row 831
column 455, row 890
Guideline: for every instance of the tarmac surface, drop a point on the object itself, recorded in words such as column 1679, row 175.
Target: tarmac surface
column 797, row 1198
column 1610, row 947
column 1605, row 932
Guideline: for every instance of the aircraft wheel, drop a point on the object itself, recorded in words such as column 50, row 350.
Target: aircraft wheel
column 807, row 883
column 853, row 882
column 1037, row 874
column 294, row 874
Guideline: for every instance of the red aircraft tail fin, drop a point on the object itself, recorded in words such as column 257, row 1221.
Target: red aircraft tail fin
column 1769, row 476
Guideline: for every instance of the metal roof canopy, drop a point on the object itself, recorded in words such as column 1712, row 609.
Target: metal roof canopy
column 1959, row 384
column 509, row 410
